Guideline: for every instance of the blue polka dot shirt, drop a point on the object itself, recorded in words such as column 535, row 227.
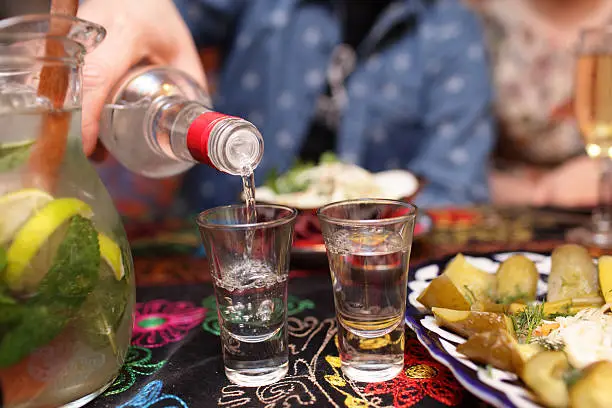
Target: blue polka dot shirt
column 421, row 102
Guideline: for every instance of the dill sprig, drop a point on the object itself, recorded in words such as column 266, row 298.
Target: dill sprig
column 527, row 320
column 509, row 299
column 550, row 344
column 572, row 376
column 469, row 295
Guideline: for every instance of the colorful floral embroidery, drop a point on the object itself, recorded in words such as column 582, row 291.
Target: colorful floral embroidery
column 160, row 322
column 421, row 377
column 211, row 321
column 137, row 362
column 151, row 396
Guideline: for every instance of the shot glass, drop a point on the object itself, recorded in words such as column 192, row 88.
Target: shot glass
column 368, row 244
column 249, row 264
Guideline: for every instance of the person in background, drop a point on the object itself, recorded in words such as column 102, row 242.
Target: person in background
column 540, row 157
column 384, row 84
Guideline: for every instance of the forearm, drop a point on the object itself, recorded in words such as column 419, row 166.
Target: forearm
column 514, row 188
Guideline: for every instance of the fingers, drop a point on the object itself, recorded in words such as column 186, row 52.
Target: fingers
column 131, row 37
column 178, row 50
column 188, row 61
column 103, row 68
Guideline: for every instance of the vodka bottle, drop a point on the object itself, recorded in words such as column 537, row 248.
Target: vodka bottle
column 158, row 123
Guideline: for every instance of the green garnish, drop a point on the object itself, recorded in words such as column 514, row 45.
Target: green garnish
column 75, row 269
column 328, row 157
column 518, row 296
column 14, row 155
column 469, row 294
column 527, row 320
column 572, row 376
column 550, row 344
column 3, row 260
column 103, row 311
column 291, row 182
column 5, row 297
column 70, row 279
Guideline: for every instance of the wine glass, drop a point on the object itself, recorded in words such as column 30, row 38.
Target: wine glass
column 593, row 107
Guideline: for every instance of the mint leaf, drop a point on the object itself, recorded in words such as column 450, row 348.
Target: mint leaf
column 10, row 314
column 75, row 269
column 72, row 276
column 3, row 260
column 103, row 311
column 38, row 326
column 14, row 156
column 5, row 297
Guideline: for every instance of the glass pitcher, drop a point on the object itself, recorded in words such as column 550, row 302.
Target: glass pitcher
column 66, row 274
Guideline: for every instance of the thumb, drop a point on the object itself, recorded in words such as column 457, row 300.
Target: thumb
column 187, row 60
column 103, row 68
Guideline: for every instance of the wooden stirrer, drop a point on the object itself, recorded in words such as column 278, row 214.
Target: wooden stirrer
column 48, row 151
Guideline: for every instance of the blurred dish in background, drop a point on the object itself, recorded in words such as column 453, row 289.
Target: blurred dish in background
column 307, row 186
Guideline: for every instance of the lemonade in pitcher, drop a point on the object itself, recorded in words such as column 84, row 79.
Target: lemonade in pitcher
column 66, row 275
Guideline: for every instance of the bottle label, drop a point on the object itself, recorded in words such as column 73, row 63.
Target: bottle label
column 199, row 133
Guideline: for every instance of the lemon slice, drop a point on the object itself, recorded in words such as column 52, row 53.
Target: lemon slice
column 36, row 231
column 111, row 254
column 604, row 267
column 17, row 207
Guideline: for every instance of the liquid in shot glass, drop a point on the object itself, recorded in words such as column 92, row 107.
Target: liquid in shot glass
column 368, row 245
column 249, row 265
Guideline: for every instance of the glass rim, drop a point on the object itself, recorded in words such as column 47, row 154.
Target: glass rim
column 87, row 45
column 292, row 215
column 383, row 221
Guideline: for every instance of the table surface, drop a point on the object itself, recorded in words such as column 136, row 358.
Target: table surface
column 175, row 356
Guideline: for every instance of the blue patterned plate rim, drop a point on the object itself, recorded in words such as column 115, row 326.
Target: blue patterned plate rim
column 466, row 376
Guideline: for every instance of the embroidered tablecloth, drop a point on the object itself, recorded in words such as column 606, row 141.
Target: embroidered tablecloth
column 175, row 359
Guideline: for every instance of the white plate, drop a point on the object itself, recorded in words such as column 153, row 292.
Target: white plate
column 393, row 184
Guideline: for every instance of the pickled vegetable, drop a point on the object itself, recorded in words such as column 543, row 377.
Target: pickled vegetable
column 475, row 284
column 497, row 348
column 461, row 285
column 604, row 267
column 562, row 307
column 544, row 374
column 572, row 274
column 517, row 280
column 490, row 307
column 468, row 323
column 442, row 292
column 593, row 389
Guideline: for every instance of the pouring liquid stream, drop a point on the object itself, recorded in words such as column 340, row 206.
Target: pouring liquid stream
column 248, row 186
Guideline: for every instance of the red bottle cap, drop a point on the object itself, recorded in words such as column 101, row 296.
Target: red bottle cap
column 199, row 133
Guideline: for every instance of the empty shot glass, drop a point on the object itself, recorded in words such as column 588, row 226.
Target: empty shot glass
column 249, row 264
column 368, row 244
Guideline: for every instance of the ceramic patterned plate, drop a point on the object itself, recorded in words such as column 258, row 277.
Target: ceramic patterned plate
column 497, row 387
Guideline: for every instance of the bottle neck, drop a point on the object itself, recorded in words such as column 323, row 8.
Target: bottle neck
column 227, row 143
column 189, row 131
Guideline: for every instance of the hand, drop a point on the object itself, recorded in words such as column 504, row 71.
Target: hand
column 137, row 30
column 509, row 189
column 573, row 184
